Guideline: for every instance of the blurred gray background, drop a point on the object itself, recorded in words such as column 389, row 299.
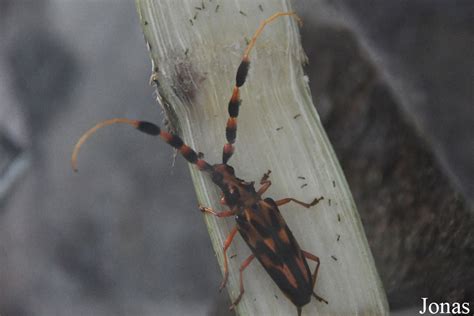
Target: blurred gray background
column 124, row 235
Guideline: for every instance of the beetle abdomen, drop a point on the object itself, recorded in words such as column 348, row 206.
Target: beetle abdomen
column 271, row 241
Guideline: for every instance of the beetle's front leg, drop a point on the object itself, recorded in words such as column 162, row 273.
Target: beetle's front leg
column 265, row 183
column 265, row 177
column 209, row 210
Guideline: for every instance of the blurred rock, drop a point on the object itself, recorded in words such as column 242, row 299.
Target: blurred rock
column 417, row 218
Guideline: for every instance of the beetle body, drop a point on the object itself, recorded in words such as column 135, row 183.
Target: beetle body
column 258, row 219
column 265, row 231
column 271, row 241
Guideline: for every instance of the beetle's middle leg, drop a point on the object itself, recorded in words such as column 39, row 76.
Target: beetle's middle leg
column 307, row 205
column 227, row 243
column 310, row 256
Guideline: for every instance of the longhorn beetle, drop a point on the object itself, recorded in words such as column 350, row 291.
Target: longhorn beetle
column 258, row 220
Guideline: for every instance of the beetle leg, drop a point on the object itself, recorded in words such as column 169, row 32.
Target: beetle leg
column 227, row 243
column 264, row 187
column 209, row 210
column 288, row 200
column 310, row 256
column 265, row 183
column 319, row 298
column 265, row 177
column 244, row 265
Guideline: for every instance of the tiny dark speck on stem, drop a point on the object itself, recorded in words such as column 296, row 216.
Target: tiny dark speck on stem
column 243, row 13
column 338, row 217
column 217, row 8
column 333, row 183
column 191, row 21
column 146, row 23
column 279, row 128
column 334, row 258
column 296, row 116
column 302, row 178
column 338, row 237
column 197, row 8
column 329, row 202
column 304, row 185
column 260, row 7
column 195, row 16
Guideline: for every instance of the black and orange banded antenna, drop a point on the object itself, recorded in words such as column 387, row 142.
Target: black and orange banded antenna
column 233, row 108
column 148, row 128
column 242, row 71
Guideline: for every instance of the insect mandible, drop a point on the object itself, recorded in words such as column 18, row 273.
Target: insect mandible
column 258, row 220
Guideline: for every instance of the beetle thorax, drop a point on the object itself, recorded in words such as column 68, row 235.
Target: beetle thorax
column 237, row 192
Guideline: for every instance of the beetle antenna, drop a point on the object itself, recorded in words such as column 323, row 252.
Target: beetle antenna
column 242, row 71
column 148, row 128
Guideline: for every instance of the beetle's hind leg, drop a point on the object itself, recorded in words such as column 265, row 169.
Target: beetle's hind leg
column 244, row 265
column 310, row 256
column 319, row 298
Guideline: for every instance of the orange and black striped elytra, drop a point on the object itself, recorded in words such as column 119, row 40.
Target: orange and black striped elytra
column 258, row 219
